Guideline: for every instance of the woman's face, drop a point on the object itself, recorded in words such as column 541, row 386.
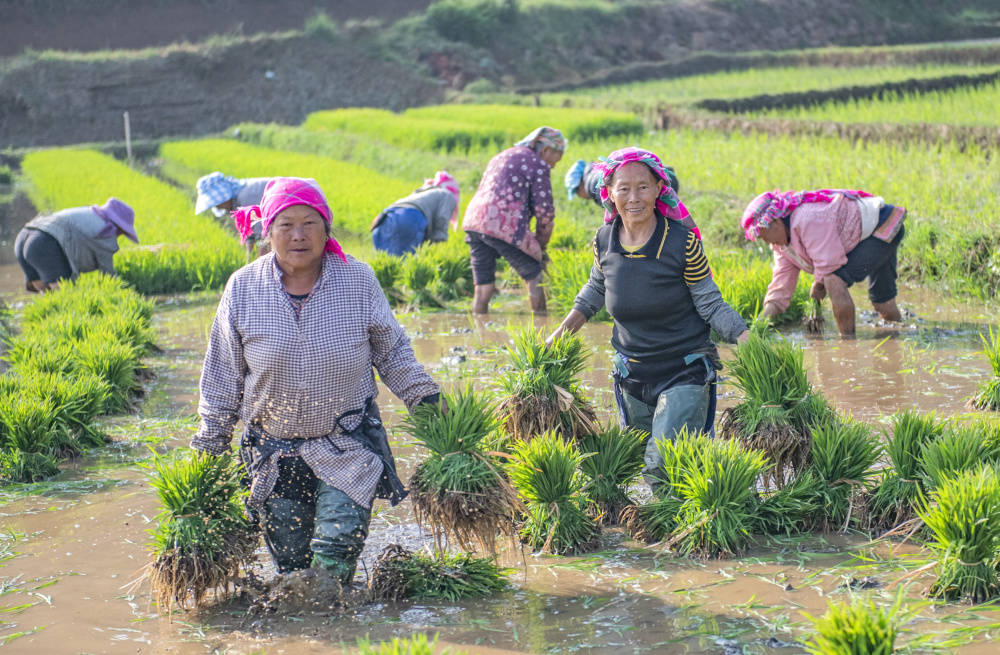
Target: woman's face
column 298, row 236
column 550, row 156
column 634, row 190
column 775, row 233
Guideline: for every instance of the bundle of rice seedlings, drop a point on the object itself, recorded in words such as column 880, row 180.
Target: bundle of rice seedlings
column 779, row 406
column 388, row 270
column 706, row 503
column 895, row 499
column 454, row 275
column 860, row 628
column 717, row 517
column 458, row 491
column 958, row 449
column 203, row 538
column 543, row 391
column 843, row 453
column 400, row 573
column 793, row 508
column 613, row 460
column 545, row 472
column 418, row 644
column 814, row 317
column 418, row 274
column 30, row 438
column 988, row 396
column 963, row 513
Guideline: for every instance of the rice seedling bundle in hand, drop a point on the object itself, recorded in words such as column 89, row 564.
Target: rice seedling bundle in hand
column 545, row 472
column 400, row 573
column 963, row 514
column 859, row 628
column 542, row 391
column 706, row 501
column 843, row 453
column 988, row 395
column 814, row 317
column 779, row 406
column 203, row 538
column 895, row 499
column 458, row 491
column 614, row 459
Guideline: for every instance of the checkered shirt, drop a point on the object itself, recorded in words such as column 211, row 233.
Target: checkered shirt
column 293, row 374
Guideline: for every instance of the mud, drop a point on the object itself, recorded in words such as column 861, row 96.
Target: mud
column 71, row 546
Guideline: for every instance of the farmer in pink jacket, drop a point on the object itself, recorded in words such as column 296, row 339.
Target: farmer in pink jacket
column 840, row 237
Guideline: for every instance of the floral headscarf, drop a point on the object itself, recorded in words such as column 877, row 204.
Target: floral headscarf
column 544, row 136
column 280, row 194
column 774, row 205
column 667, row 204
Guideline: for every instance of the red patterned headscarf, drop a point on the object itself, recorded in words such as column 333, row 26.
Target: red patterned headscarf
column 774, row 205
column 667, row 204
column 280, row 194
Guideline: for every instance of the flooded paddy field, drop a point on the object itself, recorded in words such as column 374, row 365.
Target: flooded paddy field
column 71, row 547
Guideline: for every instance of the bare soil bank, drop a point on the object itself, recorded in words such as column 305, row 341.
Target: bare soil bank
column 182, row 91
column 88, row 25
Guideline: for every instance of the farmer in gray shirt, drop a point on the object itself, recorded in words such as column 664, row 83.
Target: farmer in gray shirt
column 652, row 275
column 222, row 194
column 423, row 215
column 59, row 246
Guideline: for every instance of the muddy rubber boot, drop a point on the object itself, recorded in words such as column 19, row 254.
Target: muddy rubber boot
column 340, row 531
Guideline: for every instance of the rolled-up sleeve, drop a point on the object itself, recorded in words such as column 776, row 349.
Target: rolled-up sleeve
column 784, row 277
column 221, row 385
column 392, row 355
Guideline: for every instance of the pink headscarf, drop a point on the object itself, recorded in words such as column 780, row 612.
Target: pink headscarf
column 444, row 180
column 667, row 203
column 771, row 206
column 280, row 194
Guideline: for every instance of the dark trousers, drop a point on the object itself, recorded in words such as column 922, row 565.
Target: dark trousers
column 310, row 523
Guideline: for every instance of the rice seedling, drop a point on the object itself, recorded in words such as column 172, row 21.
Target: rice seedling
column 542, row 391
column 858, row 628
column 779, row 406
column 958, row 449
column 458, row 491
column 425, row 132
column 613, row 460
column 565, row 275
column 895, row 499
column 716, row 480
column 988, row 395
column 743, row 281
column 418, row 644
column 814, row 317
column 196, row 252
column 706, row 501
column 400, row 573
column 203, row 538
column 963, row 514
column 793, row 508
column 418, row 274
column 388, row 270
column 545, row 472
column 453, row 273
column 843, row 452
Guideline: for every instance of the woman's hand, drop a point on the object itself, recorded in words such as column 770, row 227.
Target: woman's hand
column 744, row 335
column 573, row 322
column 817, row 291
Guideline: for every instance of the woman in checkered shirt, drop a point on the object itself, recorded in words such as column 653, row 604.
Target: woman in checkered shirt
column 291, row 354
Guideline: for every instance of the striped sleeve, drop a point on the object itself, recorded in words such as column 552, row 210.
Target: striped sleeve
column 695, row 263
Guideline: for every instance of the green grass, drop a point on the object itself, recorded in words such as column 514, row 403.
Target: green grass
column 978, row 105
column 188, row 252
column 855, row 628
column 988, row 394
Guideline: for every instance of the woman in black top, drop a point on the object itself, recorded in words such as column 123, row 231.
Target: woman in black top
column 652, row 275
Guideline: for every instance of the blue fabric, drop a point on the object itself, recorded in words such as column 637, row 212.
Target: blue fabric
column 574, row 176
column 215, row 189
column 400, row 231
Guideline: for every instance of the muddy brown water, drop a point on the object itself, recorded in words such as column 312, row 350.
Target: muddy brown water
column 70, row 547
